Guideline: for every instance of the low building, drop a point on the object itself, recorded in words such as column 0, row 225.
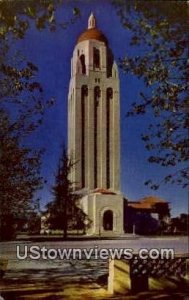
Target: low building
column 148, row 215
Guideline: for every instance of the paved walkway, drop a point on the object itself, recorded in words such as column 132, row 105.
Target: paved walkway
column 83, row 279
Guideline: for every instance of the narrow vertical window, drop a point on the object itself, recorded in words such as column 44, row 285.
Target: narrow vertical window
column 96, row 104
column 96, row 58
column 109, row 94
column 83, row 66
column 110, row 61
column 84, row 93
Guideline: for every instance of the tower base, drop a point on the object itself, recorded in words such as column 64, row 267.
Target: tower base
column 105, row 214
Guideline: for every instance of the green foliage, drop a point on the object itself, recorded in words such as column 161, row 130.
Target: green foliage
column 33, row 222
column 21, row 110
column 64, row 210
column 180, row 225
column 22, row 105
column 159, row 34
column 17, row 16
column 20, row 177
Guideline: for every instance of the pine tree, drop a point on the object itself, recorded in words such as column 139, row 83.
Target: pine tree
column 64, row 209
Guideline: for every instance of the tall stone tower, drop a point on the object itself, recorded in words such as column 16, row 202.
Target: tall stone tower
column 94, row 120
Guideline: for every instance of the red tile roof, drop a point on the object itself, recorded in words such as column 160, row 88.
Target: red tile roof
column 103, row 191
column 146, row 202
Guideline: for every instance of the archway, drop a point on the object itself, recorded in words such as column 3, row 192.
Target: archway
column 108, row 220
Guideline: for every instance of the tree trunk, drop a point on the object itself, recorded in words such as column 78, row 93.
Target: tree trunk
column 65, row 230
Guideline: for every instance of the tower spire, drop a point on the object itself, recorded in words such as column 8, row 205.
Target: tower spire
column 91, row 21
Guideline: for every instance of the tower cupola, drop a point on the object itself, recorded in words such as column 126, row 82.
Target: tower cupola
column 91, row 21
column 92, row 33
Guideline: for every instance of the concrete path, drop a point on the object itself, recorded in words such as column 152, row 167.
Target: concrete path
column 71, row 279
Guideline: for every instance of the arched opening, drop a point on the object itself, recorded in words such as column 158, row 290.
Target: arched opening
column 108, row 220
column 83, row 67
column 96, row 58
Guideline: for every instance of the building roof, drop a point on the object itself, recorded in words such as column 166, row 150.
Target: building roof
column 152, row 199
column 92, row 33
column 103, row 191
column 147, row 202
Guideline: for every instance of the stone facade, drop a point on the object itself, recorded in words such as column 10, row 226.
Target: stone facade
column 106, row 213
column 94, row 130
column 93, row 114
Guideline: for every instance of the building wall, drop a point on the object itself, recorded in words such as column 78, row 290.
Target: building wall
column 95, row 205
column 94, row 131
column 81, row 119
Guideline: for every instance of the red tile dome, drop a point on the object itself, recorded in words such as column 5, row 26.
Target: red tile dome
column 92, row 34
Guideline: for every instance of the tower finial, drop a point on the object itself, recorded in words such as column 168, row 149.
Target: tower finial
column 91, row 21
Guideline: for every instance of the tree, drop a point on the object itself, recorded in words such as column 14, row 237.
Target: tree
column 20, row 178
column 21, row 110
column 146, row 224
column 64, row 209
column 180, row 224
column 22, row 106
column 16, row 17
column 33, row 222
column 159, row 36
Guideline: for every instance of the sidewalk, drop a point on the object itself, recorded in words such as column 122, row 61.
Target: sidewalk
column 83, row 291
column 82, row 280
column 74, row 237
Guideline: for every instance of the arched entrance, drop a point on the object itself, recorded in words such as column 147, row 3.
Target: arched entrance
column 108, row 220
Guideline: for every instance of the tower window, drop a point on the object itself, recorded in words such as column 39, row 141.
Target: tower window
column 96, row 105
column 96, row 58
column 83, row 66
column 84, row 94
column 109, row 95
column 110, row 60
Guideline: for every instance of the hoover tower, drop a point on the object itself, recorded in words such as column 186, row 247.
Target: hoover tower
column 94, row 130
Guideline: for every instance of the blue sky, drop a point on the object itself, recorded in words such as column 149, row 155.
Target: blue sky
column 52, row 52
